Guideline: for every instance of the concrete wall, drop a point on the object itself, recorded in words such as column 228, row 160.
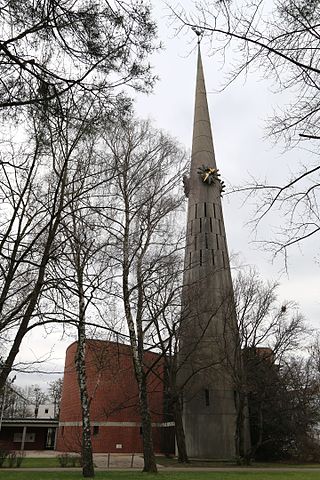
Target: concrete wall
column 208, row 323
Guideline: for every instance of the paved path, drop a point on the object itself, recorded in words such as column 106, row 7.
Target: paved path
column 105, row 461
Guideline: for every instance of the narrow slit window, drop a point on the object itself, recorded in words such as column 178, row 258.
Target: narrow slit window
column 214, row 210
column 207, row 397
column 217, row 239
column 235, row 398
column 206, row 240
column 200, row 258
column 205, row 209
column 190, row 259
column 212, row 255
column 200, row 226
column 196, row 211
column 210, row 224
column 195, row 242
column 191, row 225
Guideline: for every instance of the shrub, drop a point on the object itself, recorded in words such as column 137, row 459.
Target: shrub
column 67, row 460
column 63, row 459
column 19, row 458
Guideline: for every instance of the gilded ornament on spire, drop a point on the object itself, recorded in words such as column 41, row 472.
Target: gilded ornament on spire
column 210, row 176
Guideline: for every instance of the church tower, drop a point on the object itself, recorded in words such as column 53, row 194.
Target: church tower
column 208, row 331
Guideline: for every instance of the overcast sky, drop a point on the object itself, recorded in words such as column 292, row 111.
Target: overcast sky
column 238, row 117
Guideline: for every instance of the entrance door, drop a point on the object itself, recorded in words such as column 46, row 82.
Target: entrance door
column 51, row 434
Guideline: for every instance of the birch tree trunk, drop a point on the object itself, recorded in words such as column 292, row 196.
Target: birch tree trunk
column 87, row 457
column 148, row 451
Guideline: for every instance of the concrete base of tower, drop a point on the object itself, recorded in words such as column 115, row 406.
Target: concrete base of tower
column 210, row 422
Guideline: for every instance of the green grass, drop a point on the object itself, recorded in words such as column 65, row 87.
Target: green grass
column 7, row 475
column 33, row 462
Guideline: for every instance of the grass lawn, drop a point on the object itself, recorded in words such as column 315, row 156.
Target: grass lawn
column 7, row 475
column 30, row 462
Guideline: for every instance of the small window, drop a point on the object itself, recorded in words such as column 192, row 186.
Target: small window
column 29, row 437
column 140, row 430
column 46, row 410
column 207, row 397
column 235, row 398
column 95, row 429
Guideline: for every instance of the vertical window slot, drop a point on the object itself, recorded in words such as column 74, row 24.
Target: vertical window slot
column 195, row 242
column 212, row 255
column 223, row 259
column 205, row 209
column 206, row 240
column 200, row 224
column 210, row 224
column 217, row 239
column 214, row 210
column 196, row 211
column 200, row 258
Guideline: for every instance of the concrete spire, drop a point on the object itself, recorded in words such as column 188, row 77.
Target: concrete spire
column 202, row 144
column 208, row 326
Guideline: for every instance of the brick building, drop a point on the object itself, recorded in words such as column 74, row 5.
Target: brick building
column 114, row 410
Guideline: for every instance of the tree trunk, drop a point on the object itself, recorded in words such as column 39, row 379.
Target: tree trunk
column 179, row 430
column 239, row 436
column 86, row 452
column 148, row 452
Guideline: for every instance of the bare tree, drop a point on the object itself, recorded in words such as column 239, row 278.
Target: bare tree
column 49, row 48
column 148, row 167
column 268, row 333
column 14, row 402
column 79, row 275
column 53, row 56
column 54, row 394
column 37, row 397
column 33, row 191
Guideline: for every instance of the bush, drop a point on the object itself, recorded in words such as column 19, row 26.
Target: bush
column 12, row 458
column 63, row 459
column 19, row 458
column 67, row 460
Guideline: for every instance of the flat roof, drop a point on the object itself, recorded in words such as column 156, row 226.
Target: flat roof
column 29, row 422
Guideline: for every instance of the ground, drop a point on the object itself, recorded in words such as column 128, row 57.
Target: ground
column 45, row 466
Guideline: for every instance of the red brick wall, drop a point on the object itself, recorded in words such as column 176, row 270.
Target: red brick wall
column 113, row 388
column 69, row 439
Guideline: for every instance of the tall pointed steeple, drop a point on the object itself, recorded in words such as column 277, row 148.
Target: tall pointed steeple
column 208, row 326
column 202, row 144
